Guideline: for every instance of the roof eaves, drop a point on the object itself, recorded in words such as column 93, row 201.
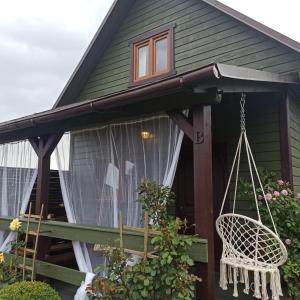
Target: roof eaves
column 241, row 73
column 279, row 37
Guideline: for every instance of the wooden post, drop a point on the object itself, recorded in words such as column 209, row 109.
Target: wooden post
column 44, row 146
column 42, row 187
column 203, row 197
column 285, row 138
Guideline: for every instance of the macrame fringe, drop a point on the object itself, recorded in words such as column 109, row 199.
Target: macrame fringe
column 264, row 292
column 242, row 276
column 275, row 285
column 257, row 293
column 230, row 274
column 234, row 275
column 278, row 283
column 246, row 279
column 235, row 282
column 223, row 276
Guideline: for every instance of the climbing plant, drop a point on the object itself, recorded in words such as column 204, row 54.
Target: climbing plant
column 166, row 276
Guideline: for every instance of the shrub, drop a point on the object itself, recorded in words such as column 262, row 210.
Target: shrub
column 164, row 277
column 285, row 208
column 27, row 290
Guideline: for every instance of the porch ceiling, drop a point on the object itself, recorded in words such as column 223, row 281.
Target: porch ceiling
column 185, row 90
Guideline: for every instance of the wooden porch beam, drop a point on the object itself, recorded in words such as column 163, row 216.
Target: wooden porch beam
column 203, row 196
column 182, row 122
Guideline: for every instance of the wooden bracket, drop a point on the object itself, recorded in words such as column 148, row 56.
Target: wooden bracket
column 35, row 144
column 182, row 122
column 51, row 143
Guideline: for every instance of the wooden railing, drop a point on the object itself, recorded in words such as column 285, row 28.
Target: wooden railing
column 92, row 235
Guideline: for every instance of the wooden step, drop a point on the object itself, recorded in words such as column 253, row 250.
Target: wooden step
column 25, row 267
column 30, row 232
column 27, row 250
column 31, row 216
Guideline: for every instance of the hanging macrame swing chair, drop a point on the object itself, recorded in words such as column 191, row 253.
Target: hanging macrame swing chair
column 248, row 245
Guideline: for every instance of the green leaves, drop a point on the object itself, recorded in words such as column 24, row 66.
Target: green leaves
column 285, row 209
column 155, row 199
column 166, row 277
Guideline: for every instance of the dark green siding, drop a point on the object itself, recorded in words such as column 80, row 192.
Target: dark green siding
column 262, row 121
column 202, row 35
column 295, row 140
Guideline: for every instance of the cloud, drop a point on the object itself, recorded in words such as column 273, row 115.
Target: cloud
column 40, row 49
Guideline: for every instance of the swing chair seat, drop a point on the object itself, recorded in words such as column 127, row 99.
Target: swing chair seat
column 247, row 243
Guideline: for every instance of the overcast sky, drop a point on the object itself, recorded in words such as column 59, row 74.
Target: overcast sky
column 41, row 42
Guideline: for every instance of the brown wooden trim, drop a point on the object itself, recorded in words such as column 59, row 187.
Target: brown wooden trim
column 285, row 138
column 182, row 122
column 51, row 143
column 35, row 144
column 46, row 145
column 152, row 79
column 150, row 38
column 203, row 196
column 149, row 34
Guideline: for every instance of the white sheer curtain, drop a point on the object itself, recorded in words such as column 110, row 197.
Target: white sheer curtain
column 101, row 168
column 18, row 171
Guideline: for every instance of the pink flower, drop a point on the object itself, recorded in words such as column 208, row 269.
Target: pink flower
column 280, row 182
column 260, row 197
column 269, row 197
column 288, row 241
column 284, row 192
column 276, row 194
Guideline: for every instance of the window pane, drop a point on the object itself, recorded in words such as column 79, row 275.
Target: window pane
column 143, row 53
column 161, row 55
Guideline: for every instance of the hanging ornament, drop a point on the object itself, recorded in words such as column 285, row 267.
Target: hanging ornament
column 248, row 245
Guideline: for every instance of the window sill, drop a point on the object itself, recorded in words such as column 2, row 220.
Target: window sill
column 152, row 79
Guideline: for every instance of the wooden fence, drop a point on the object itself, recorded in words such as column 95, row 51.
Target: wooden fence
column 92, row 235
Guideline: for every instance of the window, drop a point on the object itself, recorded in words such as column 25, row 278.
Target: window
column 152, row 57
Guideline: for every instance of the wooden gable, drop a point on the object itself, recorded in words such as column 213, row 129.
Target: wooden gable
column 203, row 35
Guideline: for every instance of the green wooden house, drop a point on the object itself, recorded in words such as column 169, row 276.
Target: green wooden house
column 189, row 60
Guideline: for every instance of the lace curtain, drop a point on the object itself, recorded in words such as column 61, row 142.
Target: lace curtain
column 18, row 172
column 101, row 168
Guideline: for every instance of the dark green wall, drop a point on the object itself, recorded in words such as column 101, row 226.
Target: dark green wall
column 202, row 35
column 262, row 121
column 295, row 139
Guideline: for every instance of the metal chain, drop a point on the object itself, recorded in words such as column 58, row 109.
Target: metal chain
column 243, row 120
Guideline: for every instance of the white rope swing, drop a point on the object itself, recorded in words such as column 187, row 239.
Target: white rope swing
column 248, row 245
